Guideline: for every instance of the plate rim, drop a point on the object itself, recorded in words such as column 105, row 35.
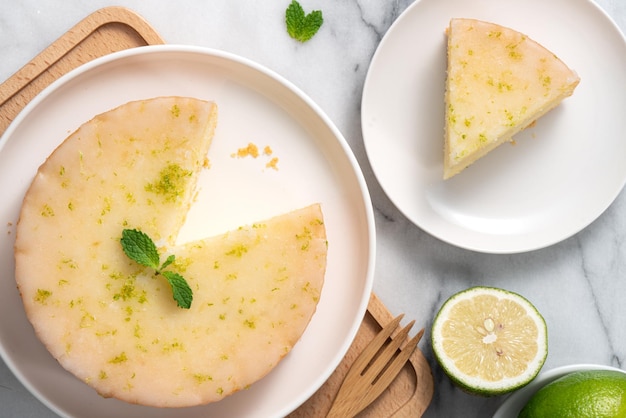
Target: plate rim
column 365, row 202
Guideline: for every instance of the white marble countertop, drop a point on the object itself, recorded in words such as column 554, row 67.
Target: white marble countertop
column 579, row 284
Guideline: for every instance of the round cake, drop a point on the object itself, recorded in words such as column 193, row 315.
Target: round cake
column 112, row 321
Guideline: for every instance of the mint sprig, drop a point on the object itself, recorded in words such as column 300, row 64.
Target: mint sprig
column 139, row 247
column 301, row 26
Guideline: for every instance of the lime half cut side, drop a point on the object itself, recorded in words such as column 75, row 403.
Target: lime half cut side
column 489, row 341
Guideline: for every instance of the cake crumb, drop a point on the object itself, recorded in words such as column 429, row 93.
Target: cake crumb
column 272, row 163
column 251, row 150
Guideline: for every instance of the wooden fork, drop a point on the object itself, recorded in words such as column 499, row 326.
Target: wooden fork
column 374, row 370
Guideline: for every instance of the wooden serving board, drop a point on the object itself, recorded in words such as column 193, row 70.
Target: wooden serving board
column 114, row 29
column 408, row 395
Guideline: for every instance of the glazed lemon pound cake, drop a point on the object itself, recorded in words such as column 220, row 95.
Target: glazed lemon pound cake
column 111, row 314
column 499, row 81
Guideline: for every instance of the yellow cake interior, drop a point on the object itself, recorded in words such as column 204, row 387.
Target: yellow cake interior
column 499, row 81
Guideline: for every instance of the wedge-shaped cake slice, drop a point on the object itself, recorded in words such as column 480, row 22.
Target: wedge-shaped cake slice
column 137, row 164
column 112, row 322
column 499, row 81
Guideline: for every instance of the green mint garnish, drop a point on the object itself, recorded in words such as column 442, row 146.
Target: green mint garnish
column 301, row 26
column 140, row 248
column 169, row 261
column 180, row 289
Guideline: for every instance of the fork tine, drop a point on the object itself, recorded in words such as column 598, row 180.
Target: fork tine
column 397, row 363
column 392, row 370
column 372, row 348
column 386, row 354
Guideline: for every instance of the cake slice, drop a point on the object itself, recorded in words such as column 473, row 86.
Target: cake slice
column 112, row 322
column 136, row 164
column 499, row 81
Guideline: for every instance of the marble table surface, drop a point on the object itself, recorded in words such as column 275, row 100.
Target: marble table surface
column 578, row 284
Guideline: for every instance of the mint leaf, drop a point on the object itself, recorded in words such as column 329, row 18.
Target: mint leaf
column 140, row 248
column 301, row 26
column 181, row 291
column 167, row 262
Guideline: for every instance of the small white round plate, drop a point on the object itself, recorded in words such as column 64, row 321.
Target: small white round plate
column 514, row 403
column 255, row 106
column 562, row 173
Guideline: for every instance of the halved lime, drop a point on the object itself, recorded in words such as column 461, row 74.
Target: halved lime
column 489, row 341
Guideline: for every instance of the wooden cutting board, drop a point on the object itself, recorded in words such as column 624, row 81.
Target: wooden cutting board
column 114, row 29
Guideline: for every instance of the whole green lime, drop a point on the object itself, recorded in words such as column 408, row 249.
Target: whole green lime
column 590, row 393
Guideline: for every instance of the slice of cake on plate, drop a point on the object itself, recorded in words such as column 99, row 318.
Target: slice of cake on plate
column 499, row 81
column 112, row 322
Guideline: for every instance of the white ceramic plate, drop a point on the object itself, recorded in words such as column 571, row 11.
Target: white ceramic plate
column 255, row 105
column 563, row 172
column 514, row 403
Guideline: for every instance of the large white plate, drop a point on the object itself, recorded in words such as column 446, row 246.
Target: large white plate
column 562, row 173
column 255, row 105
